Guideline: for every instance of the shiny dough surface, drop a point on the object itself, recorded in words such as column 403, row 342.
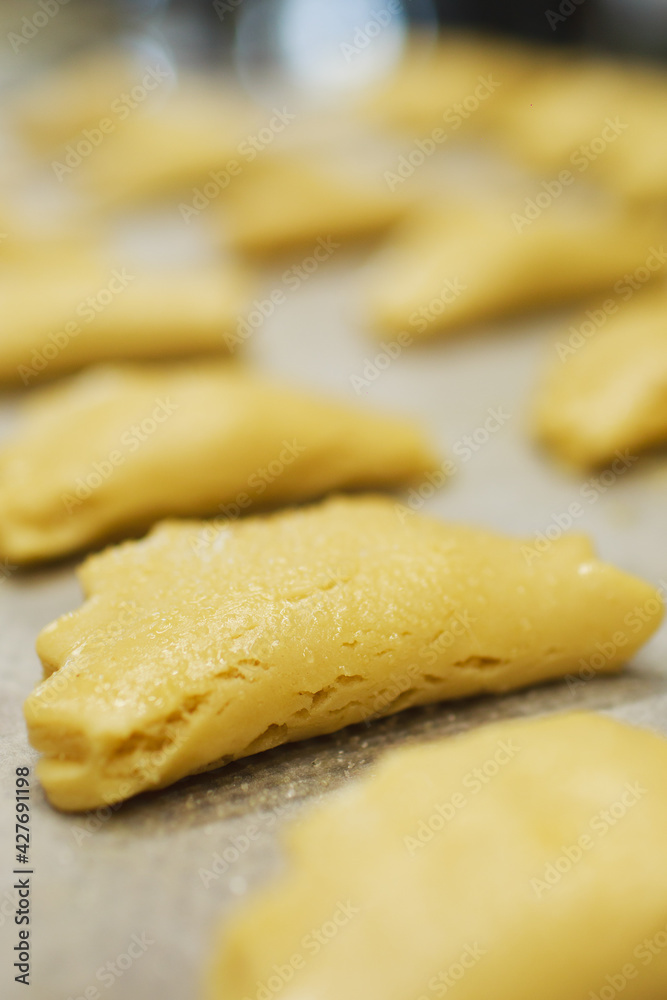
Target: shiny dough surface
column 204, row 643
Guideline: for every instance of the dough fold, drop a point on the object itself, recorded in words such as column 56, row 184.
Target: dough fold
column 112, row 450
column 607, row 395
column 599, row 119
column 202, row 643
column 89, row 310
column 296, row 199
column 453, row 264
column 459, row 84
column 521, row 860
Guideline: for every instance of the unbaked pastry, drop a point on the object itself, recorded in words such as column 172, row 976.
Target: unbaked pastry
column 78, row 309
column 112, row 450
column 599, row 119
column 566, row 109
column 521, row 860
column 193, row 137
column 607, row 393
column 295, row 200
column 204, row 643
column 453, row 264
column 457, row 84
column 56, row 104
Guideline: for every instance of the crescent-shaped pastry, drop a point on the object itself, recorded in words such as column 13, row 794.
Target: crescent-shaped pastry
column 606, row 395
column 109, row 452
column 202, row 643
column 450, row 265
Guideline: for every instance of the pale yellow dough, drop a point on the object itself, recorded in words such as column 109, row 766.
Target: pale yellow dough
column 607, row 394
column 79, row 309
column 454, row 264
column 152, row 132
column 567, row 107
column 430, row 876
column 601, row 120
column 283, row 201
column 197, row 646
column 111, row 451
column 458, row 84
column 58, row 103
column 191, row 138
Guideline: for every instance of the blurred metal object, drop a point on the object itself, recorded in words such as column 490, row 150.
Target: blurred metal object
column 634, row 25
column 316, row 50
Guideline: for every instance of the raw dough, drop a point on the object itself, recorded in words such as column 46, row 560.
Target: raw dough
column 88, row 310
column 455, row 264
column 291, row 200
column 197, row 646
column 567, row 108
column 58, row 103
column 598, row 119
column 111, row 451
column 457, row 84
column 191, row 139
column 521, row 860
column 608, row 393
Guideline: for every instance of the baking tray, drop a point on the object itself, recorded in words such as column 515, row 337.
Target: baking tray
column 148, row 867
